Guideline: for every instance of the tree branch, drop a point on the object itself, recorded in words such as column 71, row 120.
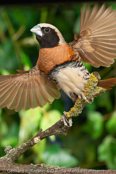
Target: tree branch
column 59, row 128
column 12, row 154
column 41, row 168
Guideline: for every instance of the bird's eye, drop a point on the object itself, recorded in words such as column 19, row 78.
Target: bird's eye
column 46, row 30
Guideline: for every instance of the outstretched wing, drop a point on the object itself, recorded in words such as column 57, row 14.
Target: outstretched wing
column 27, row 89
column 96, row 43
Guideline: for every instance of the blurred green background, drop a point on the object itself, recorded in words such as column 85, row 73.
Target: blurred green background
column 91, row 142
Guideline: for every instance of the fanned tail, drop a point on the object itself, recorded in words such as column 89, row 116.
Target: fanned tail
column 108, row 83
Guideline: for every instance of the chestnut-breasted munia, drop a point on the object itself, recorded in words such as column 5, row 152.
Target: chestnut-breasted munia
column 59, row 63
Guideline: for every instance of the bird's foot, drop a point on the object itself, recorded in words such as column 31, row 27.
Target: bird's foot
column 85, row 98
column 67, row 121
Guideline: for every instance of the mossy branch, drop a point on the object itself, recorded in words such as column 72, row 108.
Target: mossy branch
column 59, row 128
column 90, row 91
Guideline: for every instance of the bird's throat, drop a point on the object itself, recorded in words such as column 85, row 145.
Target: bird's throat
column 51, row 57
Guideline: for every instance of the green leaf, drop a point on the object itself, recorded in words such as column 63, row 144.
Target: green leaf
column 25, row 59
column 88, row 66
column 107, row 152
column 9, row 141
column 77, row 25
column 104, row 148
column 0, row 113
column 12, row 137
column 104, row 101
column 8, row 58
column 58, row 105
column 50, row 118
column 30, row 121
column 54, row 155
column 4, row 72
column 43, row 16
column 111, row 123
column 39, row 150
column 94, row 126
column 4, row 128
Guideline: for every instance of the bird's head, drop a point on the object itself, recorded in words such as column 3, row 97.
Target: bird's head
column 48, row 35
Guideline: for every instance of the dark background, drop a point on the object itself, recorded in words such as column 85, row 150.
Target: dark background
column 91, row 142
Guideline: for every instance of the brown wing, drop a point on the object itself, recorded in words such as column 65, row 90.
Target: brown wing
column 27, row 89
column 96, row 43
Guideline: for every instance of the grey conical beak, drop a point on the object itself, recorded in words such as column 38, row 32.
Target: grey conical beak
column 37, row 30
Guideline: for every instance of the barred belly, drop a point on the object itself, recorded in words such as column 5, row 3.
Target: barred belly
column 71, row 77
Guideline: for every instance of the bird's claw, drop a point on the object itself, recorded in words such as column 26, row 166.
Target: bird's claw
column 67, row 121
column 84, row 97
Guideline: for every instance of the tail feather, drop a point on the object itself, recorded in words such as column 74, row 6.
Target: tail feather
column 107, row 84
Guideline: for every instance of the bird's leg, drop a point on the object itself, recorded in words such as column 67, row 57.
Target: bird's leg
column 73, row 96
column 66, row 120
column 85, row 97
column 82, row 95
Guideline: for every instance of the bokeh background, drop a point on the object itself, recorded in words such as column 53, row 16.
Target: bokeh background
column 91, row 142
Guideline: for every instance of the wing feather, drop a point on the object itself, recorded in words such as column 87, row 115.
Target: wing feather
column 82, row 18
column 27, row 89
column 87, row 14
column 96, row 43
column 92, row 15
column 39, row 99
column 13, row 95
column 25, row 101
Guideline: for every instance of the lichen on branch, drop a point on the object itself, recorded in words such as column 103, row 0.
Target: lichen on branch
column 90, row 91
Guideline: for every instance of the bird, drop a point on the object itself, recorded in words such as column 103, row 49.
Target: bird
column 59, row 64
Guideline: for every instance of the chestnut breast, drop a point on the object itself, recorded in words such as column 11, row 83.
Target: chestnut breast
column 50, row 57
